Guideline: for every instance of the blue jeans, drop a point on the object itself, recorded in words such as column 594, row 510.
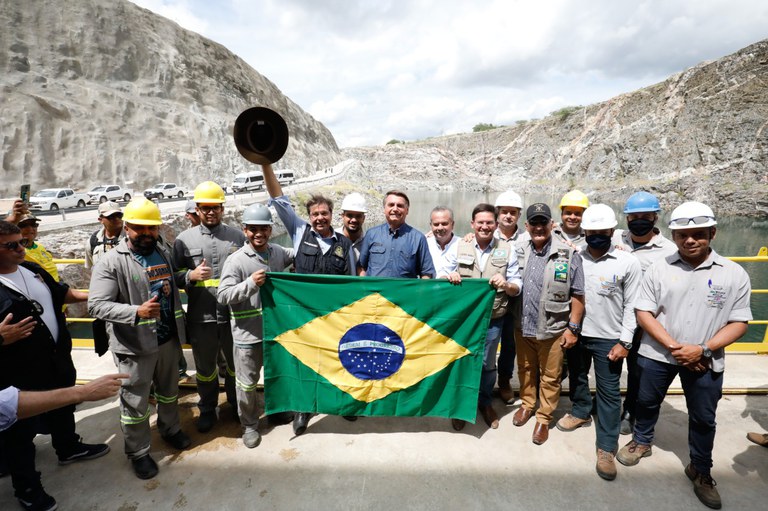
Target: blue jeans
column 488, row 377
column 702, row 392
column 507, row 351
column 607, row 375
column 633, row 375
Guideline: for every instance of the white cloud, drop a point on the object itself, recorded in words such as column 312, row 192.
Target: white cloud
column 331, row 111
column 179, row 11
column 372, row 71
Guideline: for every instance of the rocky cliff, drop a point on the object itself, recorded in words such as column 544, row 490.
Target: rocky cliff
column 97, row 91
column 699, row 135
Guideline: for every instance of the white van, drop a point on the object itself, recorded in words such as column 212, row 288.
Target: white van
column 285, row 177
column 248, row 182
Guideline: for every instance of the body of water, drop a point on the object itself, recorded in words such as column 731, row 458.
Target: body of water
column 736, row 236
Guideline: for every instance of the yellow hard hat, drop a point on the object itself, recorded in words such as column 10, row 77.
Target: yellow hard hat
column 142, row 211
column 575, row 198
column 209, row 192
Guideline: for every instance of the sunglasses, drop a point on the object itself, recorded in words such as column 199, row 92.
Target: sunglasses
column 537, row 222
column 697, row 220
column 209, row 209
column 14, row 245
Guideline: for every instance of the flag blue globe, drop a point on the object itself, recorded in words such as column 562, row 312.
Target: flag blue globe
column 371, row 351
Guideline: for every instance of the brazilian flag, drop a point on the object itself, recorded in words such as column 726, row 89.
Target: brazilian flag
column 346, row 345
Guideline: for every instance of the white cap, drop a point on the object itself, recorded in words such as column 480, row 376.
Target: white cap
column 510, row 199
column 690, row 215
column 598, row 217
column 354, row 202
column 109, row 208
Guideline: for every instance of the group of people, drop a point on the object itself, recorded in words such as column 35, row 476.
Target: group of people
column 568, row 296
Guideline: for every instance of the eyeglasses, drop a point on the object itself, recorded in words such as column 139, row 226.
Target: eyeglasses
column 697, row 220
column 209, row 209
column 14, row 245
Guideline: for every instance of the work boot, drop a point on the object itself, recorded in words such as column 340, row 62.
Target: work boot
column 251, row 438
column 506, row 393
column 704, row 487
column 570, row 422
column 631, row 453
column 205, row 422
column 606, row 468
column 300, row 422
column 458, row 424
column 144, row 467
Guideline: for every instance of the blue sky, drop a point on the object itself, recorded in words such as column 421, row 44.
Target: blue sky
column 376, row 70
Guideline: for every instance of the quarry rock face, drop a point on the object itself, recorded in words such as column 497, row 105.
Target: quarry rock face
column 103, row 91
column 700, row 135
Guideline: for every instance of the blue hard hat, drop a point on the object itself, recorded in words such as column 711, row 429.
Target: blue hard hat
column 642, row 202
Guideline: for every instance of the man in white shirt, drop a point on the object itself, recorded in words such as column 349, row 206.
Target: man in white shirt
column 442, row 240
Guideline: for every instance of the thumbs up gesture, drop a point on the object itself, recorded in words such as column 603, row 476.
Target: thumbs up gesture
column 201, row 272
column 150, row 308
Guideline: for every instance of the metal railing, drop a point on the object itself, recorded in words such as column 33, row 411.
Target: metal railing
column 738, row 347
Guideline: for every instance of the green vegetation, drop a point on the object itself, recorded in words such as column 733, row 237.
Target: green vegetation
column 484, row 127
column 566, row 112
column 396, row 141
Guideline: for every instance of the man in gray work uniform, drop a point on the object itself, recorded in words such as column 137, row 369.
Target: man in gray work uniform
column 199, row 255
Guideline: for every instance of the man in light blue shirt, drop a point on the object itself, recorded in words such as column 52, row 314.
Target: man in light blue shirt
column 20, row 404
column 395, row 249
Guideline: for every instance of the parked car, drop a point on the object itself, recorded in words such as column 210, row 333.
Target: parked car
column 53, row 199
column 163, row 191
column 103, row 193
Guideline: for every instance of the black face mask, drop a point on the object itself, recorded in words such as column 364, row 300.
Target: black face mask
column 640, row 226
column 599, row 241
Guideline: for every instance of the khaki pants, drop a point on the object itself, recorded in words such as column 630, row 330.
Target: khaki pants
column 539, row 362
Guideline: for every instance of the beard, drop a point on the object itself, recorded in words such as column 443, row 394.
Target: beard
column 143, row 245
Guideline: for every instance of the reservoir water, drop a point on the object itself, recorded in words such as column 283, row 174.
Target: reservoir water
column 736, row 236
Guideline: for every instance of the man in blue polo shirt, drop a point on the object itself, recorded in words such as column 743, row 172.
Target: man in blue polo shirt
column 395, row 249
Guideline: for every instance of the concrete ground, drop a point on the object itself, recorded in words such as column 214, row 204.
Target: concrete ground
column 409, row 463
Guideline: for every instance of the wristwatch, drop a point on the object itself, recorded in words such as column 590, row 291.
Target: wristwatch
column 706, row 352
column 575, row 328
column 626, row 345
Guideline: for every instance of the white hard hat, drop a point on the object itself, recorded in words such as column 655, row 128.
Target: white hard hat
column 354, row 202
column 510, row 199
column 598, row 217
column 690, row 215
